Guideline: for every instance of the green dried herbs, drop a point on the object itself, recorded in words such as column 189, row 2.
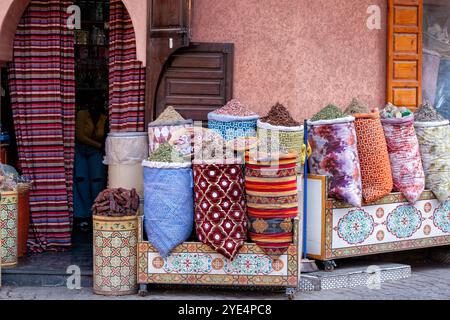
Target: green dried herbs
column 328, row 113
column 166, row 153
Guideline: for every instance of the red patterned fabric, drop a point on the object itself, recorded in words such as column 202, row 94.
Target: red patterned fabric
column 220, row 209
column 126, row 74
column 272, row 200
column 42, row 85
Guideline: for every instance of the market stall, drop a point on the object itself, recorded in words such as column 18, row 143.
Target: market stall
column 415, row 210
column 245, row 208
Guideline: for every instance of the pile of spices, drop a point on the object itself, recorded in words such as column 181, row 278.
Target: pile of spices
column 169, row 115
column 357, row 107
column 391, row 111
column 427, row 113
column 166, row 153
column 280, row 116
column 116, row 203
column 235, row 108
column 328, row 113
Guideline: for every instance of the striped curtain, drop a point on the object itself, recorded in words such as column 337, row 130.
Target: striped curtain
column 42, row 84
column 126, row 74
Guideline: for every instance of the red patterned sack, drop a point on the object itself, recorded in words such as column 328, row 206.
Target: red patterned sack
column 272, row 200
column 220, row 209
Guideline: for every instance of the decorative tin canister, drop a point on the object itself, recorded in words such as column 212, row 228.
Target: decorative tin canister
column 115, row 255
column 8, row 228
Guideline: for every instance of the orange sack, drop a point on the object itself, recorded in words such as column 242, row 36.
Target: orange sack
column 373, row 155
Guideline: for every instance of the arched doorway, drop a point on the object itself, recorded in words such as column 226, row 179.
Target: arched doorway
column 10, row 16
column 12, row 10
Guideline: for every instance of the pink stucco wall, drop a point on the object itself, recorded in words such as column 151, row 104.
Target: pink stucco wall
column 11, row 11
column 302, row 53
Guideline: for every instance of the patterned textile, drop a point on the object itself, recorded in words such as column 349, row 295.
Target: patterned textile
column 289, row 138
column 404, row 154
column 8, row 229
column 233, row 130
column 434, row 142
column 168, row 204
column 162, row 133
column 272, row 201
column 376, row 175
column 42, row 85
column 126, row 74
column 335, row 155
column 231, row 127
column 220, row 218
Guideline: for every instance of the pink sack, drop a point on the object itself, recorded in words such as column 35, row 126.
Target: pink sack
column 404, row 155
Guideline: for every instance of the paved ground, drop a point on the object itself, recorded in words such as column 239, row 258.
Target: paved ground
column 428, row 281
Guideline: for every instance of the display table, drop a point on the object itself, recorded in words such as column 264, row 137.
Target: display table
column 336, row 230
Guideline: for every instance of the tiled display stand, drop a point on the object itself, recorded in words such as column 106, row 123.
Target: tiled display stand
column 336, row 230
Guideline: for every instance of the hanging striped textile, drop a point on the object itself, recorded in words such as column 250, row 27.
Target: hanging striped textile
column 126, row 74
column 42, row 84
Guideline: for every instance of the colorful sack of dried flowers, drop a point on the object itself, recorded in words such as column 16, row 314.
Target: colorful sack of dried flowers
column 376, row 174
column 335, row 155
column 272, row 200
column 234, row 120
column 279, row 132
column 161, row 130
column 220, row 208
column 404, row 152
column 433, row 133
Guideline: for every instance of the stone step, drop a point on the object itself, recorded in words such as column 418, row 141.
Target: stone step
column 358, row 275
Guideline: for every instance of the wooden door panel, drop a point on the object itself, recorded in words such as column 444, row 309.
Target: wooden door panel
column 405, row 70
column 404, row 51
column 197, row 80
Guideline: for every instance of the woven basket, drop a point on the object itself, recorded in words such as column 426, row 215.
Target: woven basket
column 8, row 228
column 115, row 255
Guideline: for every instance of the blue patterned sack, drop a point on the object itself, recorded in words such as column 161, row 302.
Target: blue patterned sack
column 168, row 204
column 232, row 127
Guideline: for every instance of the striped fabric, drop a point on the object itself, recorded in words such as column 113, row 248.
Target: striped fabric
column 272, row 201
column 126, row 75
column 42, row 85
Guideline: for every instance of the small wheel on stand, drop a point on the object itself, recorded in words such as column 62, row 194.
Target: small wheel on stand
column 290, row 293
column 142, row 290
column 329, row 265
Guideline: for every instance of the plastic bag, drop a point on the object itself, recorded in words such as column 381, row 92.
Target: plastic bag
column 335, row 154
column 404, row 155
column 376, row 174
column 220, row 208
column 127, row 148
column 443, row 89
column 434, row 141
column 168, row 204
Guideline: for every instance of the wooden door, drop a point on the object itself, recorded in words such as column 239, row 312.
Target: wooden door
column 169, row 29
column 197, row 80
column 404, row 61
